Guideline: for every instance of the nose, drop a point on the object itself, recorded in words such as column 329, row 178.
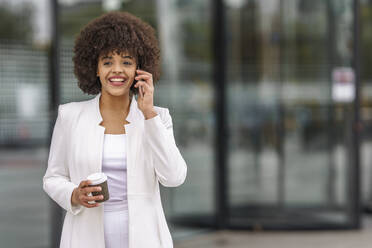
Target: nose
column 117, row 68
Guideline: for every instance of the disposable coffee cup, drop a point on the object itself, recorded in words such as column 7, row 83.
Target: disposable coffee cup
column 98, row 180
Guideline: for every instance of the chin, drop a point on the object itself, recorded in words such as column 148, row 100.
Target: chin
column 117, row 92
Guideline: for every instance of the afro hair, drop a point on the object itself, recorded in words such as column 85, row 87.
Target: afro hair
column 114, row 32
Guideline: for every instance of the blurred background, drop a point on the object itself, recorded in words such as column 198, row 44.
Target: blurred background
column 271, row 103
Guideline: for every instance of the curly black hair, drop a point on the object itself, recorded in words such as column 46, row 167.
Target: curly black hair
column 114, row 32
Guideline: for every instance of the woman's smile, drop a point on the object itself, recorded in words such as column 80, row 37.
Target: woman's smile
column 117, row 80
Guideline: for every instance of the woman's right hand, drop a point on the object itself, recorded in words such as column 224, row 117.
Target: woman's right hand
column 80, row 195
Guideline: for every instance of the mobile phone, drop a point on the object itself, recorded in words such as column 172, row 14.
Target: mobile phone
column 135, row 90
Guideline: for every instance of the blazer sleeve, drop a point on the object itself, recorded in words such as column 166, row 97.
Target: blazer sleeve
column 56, row 181
column 170, row 167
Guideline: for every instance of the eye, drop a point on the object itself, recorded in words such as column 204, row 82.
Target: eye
column 106, row 63
column 127, row 63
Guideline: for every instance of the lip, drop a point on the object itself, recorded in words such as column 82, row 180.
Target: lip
column 116, row 83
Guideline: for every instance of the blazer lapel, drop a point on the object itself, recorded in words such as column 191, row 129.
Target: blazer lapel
column 133, row 131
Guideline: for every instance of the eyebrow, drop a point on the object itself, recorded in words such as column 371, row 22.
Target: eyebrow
column 124, row 57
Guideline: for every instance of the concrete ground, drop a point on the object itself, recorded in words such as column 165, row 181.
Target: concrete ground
column 282, row 239
column 242, row 239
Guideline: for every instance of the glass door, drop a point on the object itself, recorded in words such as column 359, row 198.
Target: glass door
column 291, row 91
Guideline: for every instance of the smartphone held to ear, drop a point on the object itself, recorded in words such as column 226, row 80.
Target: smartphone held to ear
column 135, row 90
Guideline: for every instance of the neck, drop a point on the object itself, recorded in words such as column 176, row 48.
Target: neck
column 115, row 103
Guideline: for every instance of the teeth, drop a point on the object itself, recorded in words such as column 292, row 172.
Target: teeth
column 117, row 80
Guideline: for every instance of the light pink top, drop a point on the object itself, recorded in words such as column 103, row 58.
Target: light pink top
column 114, row 165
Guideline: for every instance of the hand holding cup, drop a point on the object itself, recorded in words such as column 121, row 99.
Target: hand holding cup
column 82, row 195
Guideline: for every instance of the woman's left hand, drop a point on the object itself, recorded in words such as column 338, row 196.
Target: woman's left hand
column 145, row 99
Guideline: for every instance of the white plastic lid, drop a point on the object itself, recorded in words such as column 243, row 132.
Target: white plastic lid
column 97, row 178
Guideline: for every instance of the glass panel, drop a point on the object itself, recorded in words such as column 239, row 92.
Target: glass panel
column 73, row 16
column 252, row 111
column 185, row 88
column 24, row 122
column 290, row 134
column 366, row 103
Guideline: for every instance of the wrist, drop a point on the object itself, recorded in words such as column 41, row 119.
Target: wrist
column 148, row 114
column 73, row 198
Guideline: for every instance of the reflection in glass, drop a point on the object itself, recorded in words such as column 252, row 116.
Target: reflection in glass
column 289, row 140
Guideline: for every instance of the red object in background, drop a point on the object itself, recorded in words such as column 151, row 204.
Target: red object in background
column 23, row 131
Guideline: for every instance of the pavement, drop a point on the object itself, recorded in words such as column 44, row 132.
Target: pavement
column 244, row 239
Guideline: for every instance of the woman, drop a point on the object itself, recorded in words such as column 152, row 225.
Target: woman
column 131, row 141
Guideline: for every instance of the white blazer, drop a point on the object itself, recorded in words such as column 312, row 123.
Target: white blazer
column 152, row 156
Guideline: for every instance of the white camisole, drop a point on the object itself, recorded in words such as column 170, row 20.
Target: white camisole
column 114, row 165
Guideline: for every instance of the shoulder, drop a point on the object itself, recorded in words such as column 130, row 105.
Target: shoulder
column 70, row 109
column 161, row 111
column 164, row 115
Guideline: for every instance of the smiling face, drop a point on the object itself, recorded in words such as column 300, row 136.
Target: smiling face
column 116, row 73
